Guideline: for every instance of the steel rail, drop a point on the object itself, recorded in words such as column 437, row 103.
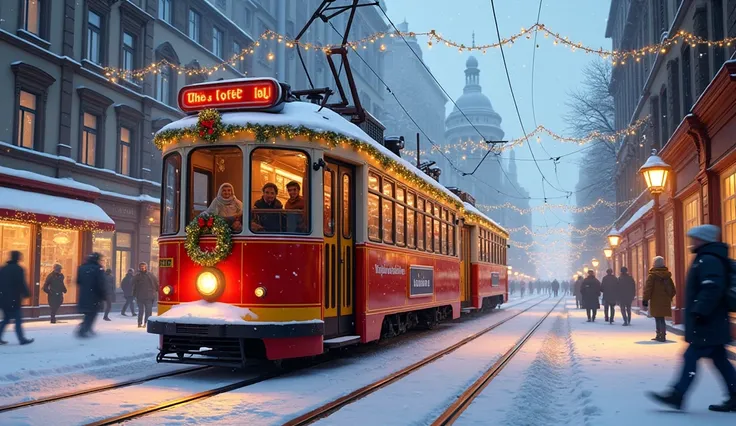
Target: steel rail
column 337, row 404
column 454, row 411
column 97, row 389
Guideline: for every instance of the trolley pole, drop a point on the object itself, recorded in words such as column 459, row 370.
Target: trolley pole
column 418, row 162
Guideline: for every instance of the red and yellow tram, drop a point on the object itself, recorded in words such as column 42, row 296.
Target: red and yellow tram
column 327, row 239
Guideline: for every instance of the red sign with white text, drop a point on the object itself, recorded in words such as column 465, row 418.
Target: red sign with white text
column 259, row 94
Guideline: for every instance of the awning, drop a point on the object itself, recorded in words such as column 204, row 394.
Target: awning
column 50, row 210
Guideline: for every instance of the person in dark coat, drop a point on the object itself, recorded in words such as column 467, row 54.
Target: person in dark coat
column 13, row 289
column 707, row 324
column 626, row 294
column 91, row 282
column 523, row 288
column 658, row 293
column 127, row 286
column 265, row 221
column 145, row 290
column 590, row 291
column 55, row 288
column 609, row 288
column 576, row 289
column 555, row 287
column 109, row 293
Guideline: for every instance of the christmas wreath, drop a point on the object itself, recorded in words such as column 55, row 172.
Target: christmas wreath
column 209, row 125
column 207, row 224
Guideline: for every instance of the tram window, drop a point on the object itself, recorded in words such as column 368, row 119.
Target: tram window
column 374, row 222
column 400, row 224
column 452, row 234
column 420, row 224
column 373, row 182
column 443, row 225
column 437, row 237
column 329, row 200
column 216, row 181
column 279, row 191
column 428, row 228
column 172, row 194
column 410, row 221
column 346, row 204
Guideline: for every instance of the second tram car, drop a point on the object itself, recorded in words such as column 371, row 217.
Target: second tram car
column 332, row 239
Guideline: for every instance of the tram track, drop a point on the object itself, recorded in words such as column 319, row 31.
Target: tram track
column 331, row 407
column 458, row 407
column 97, row 389
column 200, row 396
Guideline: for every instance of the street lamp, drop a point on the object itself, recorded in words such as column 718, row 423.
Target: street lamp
column 608, row 252
column 595, row 263
column 655, row 172
column 614, row 238
column 509, row 267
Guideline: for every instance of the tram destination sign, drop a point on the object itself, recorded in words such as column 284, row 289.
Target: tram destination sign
column 421, row 281
column 246, row 94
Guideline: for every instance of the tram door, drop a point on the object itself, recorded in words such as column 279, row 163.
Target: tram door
column 465, row 275
column 339, row 258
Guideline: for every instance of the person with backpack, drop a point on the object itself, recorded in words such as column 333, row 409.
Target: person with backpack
column 708, row 300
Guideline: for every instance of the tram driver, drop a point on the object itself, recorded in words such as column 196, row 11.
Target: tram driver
column 263, row 221
column 227, row 206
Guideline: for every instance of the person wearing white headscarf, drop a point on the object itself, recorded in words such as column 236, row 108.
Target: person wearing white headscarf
column 227, row 206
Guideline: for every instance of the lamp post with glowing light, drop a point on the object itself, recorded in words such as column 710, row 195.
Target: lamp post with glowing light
column 608, row 252
column 655, row 172
column 595, row 264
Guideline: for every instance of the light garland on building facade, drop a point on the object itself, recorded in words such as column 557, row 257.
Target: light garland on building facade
column 56, row 222
column 433, row 38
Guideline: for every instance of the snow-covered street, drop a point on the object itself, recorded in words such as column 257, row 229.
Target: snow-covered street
column 569, row 373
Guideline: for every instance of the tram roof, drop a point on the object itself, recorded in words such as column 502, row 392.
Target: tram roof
column 472, row 209
column 311, row 116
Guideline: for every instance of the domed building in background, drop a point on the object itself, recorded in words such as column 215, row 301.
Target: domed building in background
column 472, row 122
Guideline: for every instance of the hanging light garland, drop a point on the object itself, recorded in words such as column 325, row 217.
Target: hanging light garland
column 547, row 207
column 565, row 231
column 433, row 38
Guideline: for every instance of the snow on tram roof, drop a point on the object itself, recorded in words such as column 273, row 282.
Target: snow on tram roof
column 309, row 115
column 471, row 208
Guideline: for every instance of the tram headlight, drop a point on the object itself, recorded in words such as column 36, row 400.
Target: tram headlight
column 260, row 291
column 167, row 290
column 210, row 284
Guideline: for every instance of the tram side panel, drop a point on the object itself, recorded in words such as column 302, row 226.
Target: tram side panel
column 393, row 280
column 488, row 280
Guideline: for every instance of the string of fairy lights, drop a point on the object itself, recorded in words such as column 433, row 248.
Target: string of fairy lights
column 617, row 57
column 549, row 206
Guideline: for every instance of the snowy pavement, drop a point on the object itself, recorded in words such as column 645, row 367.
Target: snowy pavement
column 580, row 373
column 58, row 362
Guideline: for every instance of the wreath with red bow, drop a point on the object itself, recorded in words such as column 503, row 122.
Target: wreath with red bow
column 209, row 125
column 208, row 224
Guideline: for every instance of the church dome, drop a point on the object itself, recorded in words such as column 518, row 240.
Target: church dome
column 471, row 62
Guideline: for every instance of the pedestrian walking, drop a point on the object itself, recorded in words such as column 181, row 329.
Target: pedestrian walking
column 565, row 288
column 626, row 294
column 91, row 282
column 658, row 293
column 555, row 287
column 13, row 289
column 55, row 289
column 590, row 291
column 707, row 324
column 609, row 288
column 127, row 286
column 523, row 288
column 109, row 293
column 145, row 290
column 578, row 296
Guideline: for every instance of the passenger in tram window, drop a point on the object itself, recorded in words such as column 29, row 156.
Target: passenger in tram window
column 296, row 218
column 227, row 206
column 266, row 221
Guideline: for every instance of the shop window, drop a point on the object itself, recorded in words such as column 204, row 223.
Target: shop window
column 279, row 191
column 63, row 247
column 171, row 194
column 329, row 200
column 691, row 219
column 729, row 212
column 17, row 237
column 27, row 119
column 123, row 247
column 102, row 243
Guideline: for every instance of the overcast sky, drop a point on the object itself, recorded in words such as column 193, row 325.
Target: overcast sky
column 558, row 70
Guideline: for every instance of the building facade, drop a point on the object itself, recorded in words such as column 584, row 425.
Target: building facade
column 72, row 134
column 687, row 93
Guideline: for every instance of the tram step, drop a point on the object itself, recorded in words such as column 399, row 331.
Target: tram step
column 468, row 310
column 341, row 341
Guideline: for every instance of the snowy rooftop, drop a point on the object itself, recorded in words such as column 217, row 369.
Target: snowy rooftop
column 69, row 183
column 310, row 115
column 471, row 208
column 636, row 216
